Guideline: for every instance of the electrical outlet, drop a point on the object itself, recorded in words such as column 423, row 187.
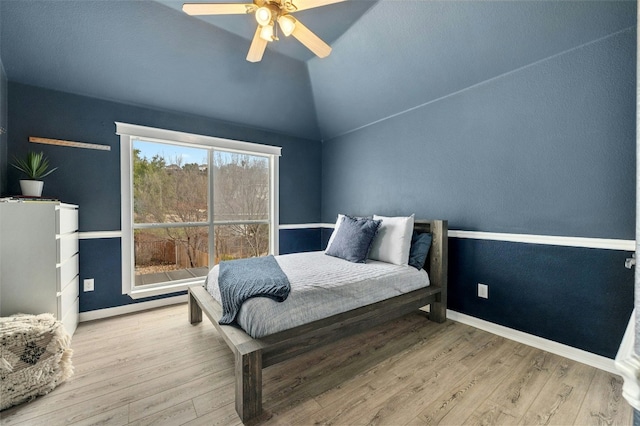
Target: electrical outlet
column 483, row 291
column 88, row 284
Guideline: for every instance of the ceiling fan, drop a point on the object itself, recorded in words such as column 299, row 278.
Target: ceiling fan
column 267, row 13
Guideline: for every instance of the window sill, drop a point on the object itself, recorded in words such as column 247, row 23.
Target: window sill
column 141, row 293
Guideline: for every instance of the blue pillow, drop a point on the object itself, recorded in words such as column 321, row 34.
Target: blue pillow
column 353, row 239
column 420, row 245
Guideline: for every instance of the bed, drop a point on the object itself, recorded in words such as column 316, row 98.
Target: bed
column 254, row 354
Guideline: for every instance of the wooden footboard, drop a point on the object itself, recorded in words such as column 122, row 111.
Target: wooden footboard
column 251, row 355
column 246, row 350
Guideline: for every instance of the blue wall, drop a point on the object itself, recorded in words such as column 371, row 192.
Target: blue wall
column 83, row 173
column 578, row 296
column 300, row 240
column 545, row 149
column 91, row 178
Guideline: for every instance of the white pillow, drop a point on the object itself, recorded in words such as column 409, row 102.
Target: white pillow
column 392, row 243
column 335, row 230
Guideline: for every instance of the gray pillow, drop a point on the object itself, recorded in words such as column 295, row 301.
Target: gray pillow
column 353, row 239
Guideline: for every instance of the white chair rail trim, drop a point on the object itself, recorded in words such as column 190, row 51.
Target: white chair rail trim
column 552, row 240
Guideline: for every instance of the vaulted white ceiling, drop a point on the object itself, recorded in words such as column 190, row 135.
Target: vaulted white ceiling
column 388, row 56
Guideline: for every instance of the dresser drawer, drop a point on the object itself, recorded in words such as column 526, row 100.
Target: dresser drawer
column 68, row 297
column 66, row 220
column 68, row 305
column 67, row 271
column 67, row 246
column 70, row 318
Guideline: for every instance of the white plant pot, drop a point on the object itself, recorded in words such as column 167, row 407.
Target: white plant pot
column 31, row 188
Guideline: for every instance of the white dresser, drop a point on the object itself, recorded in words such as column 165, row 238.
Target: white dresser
column 39, row 260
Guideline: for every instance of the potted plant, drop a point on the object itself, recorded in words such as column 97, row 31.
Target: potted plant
column 35, row 166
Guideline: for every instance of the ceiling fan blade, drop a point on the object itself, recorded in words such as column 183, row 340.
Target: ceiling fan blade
column 217, row 8
column 310, row 40
column 309, row 4
column 258, row 45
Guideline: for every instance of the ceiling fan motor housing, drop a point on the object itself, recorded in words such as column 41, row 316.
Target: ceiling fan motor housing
column 267, row 12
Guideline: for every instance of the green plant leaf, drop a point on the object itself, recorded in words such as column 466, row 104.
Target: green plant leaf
column 35, row 165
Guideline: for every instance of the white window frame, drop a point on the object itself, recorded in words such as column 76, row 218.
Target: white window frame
column 129, row 132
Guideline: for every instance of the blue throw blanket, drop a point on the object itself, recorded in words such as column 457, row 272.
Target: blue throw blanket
column 240, row 280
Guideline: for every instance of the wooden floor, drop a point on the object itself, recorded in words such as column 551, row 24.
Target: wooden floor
column 155, row 368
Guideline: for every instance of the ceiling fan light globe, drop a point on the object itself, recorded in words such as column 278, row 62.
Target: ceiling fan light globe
column 266, row 33
column 263, row 16
column 287, row 25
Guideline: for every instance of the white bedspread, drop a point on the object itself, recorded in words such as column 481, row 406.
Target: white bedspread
column 322, row 286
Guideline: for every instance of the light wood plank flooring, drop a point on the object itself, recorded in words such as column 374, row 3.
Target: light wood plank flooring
column 154, row 368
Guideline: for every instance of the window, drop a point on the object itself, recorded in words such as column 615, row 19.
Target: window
column 190, row 201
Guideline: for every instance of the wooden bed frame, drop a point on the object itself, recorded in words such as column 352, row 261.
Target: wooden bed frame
column 252, row 355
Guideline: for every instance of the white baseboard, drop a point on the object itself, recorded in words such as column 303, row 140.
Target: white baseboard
column 131, row 308
column 570, row 352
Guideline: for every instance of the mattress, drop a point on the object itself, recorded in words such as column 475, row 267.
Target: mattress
column 322, row 286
